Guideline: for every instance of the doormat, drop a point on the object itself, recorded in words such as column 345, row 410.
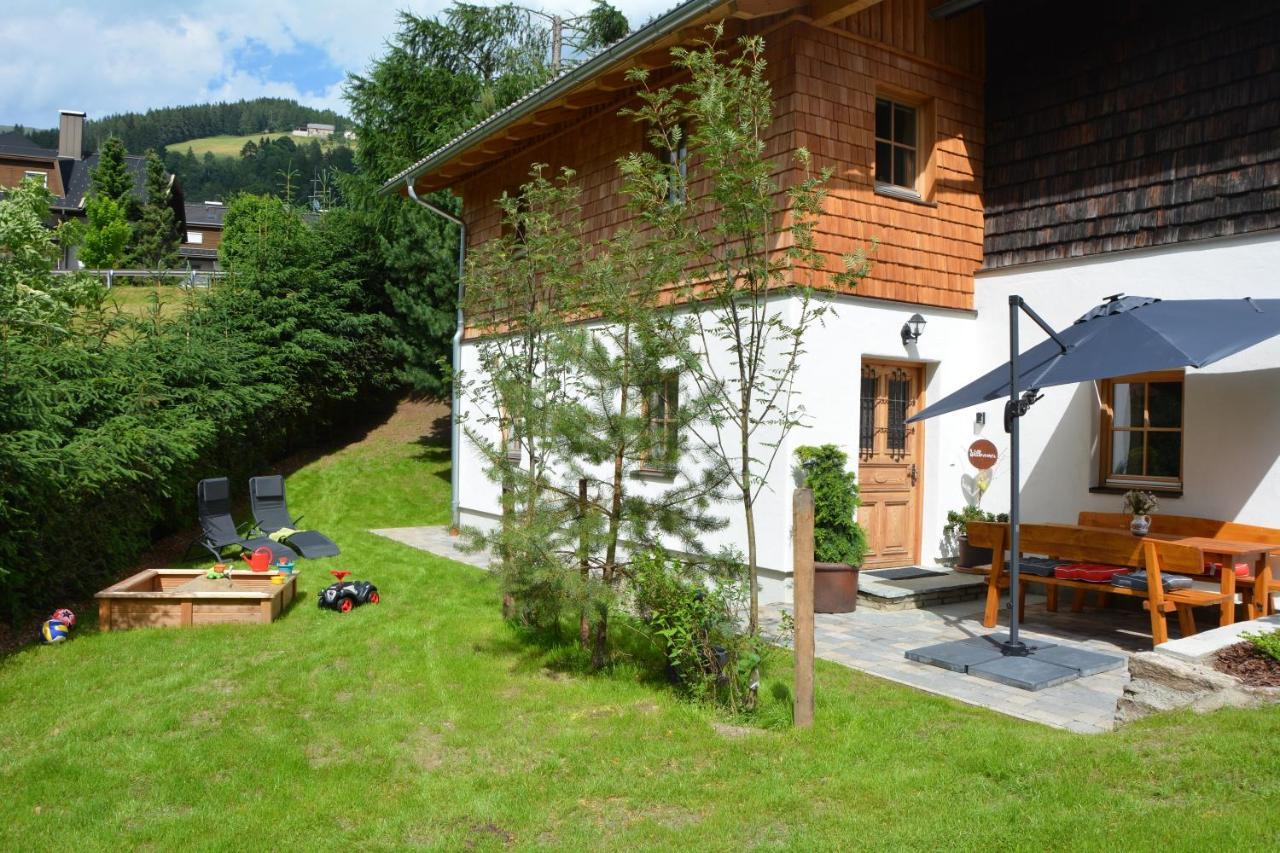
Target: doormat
column 905, row 573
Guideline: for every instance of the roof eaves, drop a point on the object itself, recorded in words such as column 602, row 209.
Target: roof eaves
column 561, row 84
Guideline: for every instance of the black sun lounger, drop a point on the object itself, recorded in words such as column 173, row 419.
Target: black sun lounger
column 271, row 512
column 213, row 505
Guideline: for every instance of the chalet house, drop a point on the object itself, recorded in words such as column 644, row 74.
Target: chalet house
column 66, row 172
column 992, row 148
column 203, row 235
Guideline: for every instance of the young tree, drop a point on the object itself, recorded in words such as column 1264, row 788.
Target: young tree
column 522, row 287
column 713, row 198
column 155, row 236
column 579, row 410
column 111, row 178
column 628, row 412
column 104, row 237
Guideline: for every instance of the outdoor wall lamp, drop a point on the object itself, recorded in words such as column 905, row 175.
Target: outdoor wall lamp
column 912, row 329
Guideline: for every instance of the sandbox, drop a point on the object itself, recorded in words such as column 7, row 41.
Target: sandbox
column 185, row 597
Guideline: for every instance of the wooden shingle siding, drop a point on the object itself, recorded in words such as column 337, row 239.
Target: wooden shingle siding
column 825, row 82
column 928, row 251
column 1121, row 124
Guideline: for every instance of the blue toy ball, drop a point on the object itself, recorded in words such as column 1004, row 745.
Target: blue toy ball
column 54, row 631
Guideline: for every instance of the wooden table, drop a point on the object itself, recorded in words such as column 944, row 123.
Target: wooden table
column 1226, row 553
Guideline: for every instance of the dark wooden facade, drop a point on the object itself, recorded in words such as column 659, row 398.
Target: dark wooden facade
column 1123, row 124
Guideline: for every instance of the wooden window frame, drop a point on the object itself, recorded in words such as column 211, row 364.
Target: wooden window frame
column 669, row 423
column 926, row 145
column 32, row 173
column 1106, row 388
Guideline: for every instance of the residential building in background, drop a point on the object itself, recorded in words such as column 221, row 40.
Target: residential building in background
column 67, row 173
column 203, row 234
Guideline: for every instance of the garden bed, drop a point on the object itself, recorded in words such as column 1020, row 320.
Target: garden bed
column 185, row 597
column 1249, row 664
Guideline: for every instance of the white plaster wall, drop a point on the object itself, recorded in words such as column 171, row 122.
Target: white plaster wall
column 479, row 499
column 827, row 387
column 1232, row 408
column 830, row 380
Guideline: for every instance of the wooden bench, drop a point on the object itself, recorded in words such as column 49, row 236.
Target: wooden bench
column 1064, row 542
column 1258, row 599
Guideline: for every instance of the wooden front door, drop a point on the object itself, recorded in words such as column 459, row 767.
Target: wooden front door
column 890, row 462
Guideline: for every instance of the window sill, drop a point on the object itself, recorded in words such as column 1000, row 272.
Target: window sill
column 903, row 194
column 654, row 474
column 1166, row 492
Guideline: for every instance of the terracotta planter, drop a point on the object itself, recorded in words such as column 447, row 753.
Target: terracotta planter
column 835, row 588
column 968, row 556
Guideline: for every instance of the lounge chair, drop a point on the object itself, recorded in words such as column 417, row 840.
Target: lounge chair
column 213, row 505
column 271, row 512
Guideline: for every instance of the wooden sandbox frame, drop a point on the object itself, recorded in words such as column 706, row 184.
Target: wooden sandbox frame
column 185, row 597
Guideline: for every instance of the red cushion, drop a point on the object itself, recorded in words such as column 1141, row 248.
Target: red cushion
column 1242, row 569
column 1091, row 572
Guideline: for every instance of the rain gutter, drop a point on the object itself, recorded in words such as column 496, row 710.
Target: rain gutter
column 455, row 426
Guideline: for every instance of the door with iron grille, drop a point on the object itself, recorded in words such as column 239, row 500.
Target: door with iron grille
column 890, row 462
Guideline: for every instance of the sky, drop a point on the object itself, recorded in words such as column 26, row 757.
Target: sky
column 111, row 56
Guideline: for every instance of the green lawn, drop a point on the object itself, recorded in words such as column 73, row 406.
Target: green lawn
column 139, row 299
column 427, row 722
column 229, row 146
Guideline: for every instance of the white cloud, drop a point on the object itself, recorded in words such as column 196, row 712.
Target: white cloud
column 136, row 54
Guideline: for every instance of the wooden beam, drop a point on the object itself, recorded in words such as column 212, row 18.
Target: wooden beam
column 825, row 12
column 588, row 99
column 748, row 9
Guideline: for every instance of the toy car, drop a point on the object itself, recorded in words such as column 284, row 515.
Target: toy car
column 345, row 594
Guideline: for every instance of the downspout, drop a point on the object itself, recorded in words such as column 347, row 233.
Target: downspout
column 455, row 438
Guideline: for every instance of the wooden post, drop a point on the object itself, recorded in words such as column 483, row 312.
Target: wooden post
column 584, row 621
column 802, row 537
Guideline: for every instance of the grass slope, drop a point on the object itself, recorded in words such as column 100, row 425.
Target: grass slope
column 428, row 722
column 229, row 146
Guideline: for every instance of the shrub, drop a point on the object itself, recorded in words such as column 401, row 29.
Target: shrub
column 958, row 521
column 1267, row 642
column 837, row 537
column 697, row 626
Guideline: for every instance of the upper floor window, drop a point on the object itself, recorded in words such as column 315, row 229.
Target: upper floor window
column 897, row 144
column 1141, row 430
column 196, row 237
column 42, row 177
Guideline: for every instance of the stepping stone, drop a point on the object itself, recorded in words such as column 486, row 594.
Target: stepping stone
column 904, row 574
column 1083, row 661
column 957, row 655
column 1024, row 672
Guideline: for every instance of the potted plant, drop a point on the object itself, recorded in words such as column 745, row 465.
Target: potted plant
column 957, row 528
column 839, row 542
column 1140, row 505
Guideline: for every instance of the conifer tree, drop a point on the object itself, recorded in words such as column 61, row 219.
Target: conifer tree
column 155, row 236
column 111, row 176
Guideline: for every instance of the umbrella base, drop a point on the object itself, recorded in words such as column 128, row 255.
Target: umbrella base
column 1029, row 667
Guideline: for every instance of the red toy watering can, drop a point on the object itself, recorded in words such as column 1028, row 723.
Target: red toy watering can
column 260, row 561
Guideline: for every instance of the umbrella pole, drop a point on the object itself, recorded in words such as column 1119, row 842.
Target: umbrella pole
column 1014, row 646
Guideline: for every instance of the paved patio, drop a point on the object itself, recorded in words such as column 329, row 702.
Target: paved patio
column 875, row 642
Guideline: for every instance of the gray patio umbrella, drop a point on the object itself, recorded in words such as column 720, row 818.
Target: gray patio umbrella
column 1124, row 335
